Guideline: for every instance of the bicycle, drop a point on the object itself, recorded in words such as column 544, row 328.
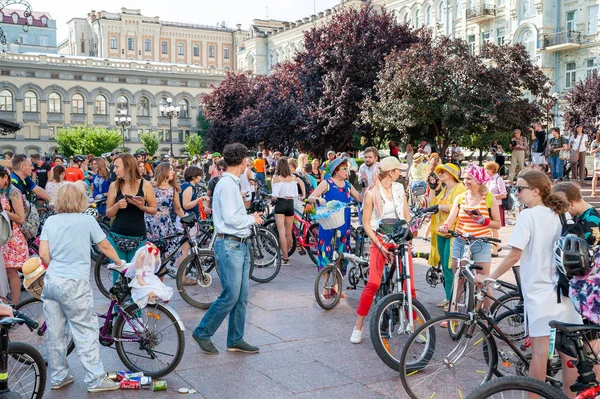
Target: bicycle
column 516, row 387
column 150, row 340
column 22, row 368
column 470, row 358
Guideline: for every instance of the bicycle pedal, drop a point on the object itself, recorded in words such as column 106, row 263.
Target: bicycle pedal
column 302, row 252
column 350, row 288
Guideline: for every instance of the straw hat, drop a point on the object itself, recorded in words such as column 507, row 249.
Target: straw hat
column 33, row 272
column 418, row 157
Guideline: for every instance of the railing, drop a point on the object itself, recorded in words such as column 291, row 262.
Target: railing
column 481, row 11
column 195, row 26
column 565, row 37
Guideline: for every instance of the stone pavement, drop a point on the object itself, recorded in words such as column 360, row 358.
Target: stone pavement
column 304, row 351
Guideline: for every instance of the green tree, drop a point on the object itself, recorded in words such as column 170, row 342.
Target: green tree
column 194, row 144
column 87, row 140
column 150, row 141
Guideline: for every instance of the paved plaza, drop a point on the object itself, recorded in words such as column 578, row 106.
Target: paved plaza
column 304, row 351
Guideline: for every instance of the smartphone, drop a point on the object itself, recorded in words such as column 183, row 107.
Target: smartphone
column 474, row 212
column 127, row 196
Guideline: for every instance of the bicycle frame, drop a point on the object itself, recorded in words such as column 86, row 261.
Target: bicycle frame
column 4, row 360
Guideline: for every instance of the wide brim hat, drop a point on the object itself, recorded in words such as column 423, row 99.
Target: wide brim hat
column 333, row 165
column 33, row 272
column 391, row 163
column 418, row 156
column 449, row 168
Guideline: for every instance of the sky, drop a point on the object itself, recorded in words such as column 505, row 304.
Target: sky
column 200, row 12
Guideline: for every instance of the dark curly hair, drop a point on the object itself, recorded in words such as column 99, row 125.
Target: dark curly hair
column 234, row 154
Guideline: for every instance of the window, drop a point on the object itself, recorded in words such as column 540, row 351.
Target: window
column 77, row 104
column 6, row 100
column 471, row 43
column 51, row 132
column 23, row 39
column 44, row 40
column 113, row 42
column 184, row 108
column 527, row 8
column 100, row 105
column 147, row 45
column 15, row 18
column 592, row 21
column 130, row 43
column 180, row 49
column 528, row 40
column 183, row 134
column 164, row 47
column 570, row 24
column 458, row 9
column 196, row 50
column 54, row 103
column 143, row 108
column 570, row 75
column 590, row 67
column 501, row 2
column 44, row 21
column 211, row 51
column 427, row 15
column 485, row 37
column 122, row 105
column 500, row 36
column 29, row 20
column 417, row 19
column 226, row 53
column 30, row 102
column 163, row 102
column 440, row 12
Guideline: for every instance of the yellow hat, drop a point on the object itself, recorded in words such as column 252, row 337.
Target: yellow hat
column 33, row 272
column 450, row 168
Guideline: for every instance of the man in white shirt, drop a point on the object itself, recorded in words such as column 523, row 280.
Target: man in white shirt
column 424, row 147
column 367, row 169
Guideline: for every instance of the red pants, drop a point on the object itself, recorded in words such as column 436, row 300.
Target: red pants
column 376, row 264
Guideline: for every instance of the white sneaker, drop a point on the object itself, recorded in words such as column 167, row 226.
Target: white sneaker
column 104, row 385
column 356, row 337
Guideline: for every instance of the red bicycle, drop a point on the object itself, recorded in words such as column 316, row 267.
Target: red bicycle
column 305, row 233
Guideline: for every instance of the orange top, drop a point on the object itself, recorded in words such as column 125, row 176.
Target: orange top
column 73, row 174
column 467, row 225
column 259, row 165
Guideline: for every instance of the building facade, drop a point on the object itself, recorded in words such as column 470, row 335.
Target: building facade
column 47, row 92
column 25, row 34
column 132, row 36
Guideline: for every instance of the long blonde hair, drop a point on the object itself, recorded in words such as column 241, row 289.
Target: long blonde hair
column 375, row 189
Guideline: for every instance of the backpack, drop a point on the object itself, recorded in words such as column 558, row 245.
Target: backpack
column 568, row 227
column 31, row 225
column 307, row 184
column 508, row 202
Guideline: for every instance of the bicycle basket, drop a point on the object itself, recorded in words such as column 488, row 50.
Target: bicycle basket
column 331, row 216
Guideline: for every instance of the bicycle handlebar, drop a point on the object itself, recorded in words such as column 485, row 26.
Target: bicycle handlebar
column 469, row 237
column 486, row 282
column 25, row 319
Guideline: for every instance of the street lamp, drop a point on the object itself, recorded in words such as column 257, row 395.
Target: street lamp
column 169, row 111
column 124, row 122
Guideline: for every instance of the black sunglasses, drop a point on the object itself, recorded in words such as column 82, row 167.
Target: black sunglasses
column 521, row 188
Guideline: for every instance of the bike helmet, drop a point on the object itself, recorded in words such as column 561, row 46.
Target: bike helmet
column 572, row 255
column 78, row 158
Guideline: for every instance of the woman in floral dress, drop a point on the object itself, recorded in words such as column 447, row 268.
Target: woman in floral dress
column 166, row 190
column 333, row 188
column 15, row 251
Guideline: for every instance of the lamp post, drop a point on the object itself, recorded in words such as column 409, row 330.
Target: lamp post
column 169, row 111
column 26, row 14
column 124, row 122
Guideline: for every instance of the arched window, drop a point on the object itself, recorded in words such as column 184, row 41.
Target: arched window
column 15, row 18
column 30, row 102
column 528, row 40
column 440, row 12
column 77, row 104
column 405, row 19
column 458, row 9
column 417, row 19
column 428, row 15
column 122, row 105
column 143, row 108
column 6, row 100
column 184, row 108
column 100, row 105
column 54, row 105
column 163, row 101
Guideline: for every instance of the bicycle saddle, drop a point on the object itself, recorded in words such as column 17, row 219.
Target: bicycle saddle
column 573, row 328
column 189, row 219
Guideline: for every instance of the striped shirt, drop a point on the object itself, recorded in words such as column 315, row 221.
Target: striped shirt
column 466, row 224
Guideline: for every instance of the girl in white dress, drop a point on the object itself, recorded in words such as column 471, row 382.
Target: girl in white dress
column 537, row 229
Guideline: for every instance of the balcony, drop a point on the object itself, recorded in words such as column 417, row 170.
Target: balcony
column 481, row 13
column 562, row 41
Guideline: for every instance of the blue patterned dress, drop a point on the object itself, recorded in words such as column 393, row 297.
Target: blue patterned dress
column 341, row 194
column 162, row 224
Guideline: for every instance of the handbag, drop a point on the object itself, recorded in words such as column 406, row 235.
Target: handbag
column 5, row 229
column 126, row 244
column 574, row 154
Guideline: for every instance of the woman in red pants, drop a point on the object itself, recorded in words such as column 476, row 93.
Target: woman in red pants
column 385, row 199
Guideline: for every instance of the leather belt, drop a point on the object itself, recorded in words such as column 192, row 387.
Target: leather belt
column 232, row 237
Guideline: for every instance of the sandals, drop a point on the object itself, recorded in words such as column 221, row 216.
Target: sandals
column 285, row 262
column 594, row 195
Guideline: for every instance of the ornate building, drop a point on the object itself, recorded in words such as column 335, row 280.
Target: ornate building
column 47, row 92
column 25, row 34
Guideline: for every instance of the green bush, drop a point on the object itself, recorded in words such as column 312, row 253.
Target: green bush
column 87, row 140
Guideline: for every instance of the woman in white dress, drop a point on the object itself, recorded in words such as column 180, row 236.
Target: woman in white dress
column 537, row 229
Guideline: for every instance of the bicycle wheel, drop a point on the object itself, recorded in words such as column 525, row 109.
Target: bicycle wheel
column 265, row 259
column 328, row 287
column 505, row 303
column 34, row 308
column 312, row 242
column 516, row 387
column 389, row 327
column 271, row 226
column 198, row 279
column 159, row 349
column 103, row 276
column 447, row 367
column 95, row 250
column 462, row 302
column 26, row 371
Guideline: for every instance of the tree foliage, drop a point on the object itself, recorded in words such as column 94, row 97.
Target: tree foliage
column 194, row 144
column 150, row 141
column 583, row 104
column 87, row 140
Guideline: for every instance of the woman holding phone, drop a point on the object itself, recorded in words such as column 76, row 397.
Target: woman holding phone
column 129, row 198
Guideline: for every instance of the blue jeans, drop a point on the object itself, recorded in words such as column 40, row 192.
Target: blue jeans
column 556, row 166
column 260, row 177
column 233, row 259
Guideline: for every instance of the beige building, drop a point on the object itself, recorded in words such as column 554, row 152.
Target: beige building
column 132, row 36
column 45, row 92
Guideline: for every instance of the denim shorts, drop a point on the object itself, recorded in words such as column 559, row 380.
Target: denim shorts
column 481, row 252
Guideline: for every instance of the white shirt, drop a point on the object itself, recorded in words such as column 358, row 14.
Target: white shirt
column 229, row 212
column 369, row 171
column 245, row 186
column 284, row 189
column 538, row 270
column 580, row 142
column 426, row 149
